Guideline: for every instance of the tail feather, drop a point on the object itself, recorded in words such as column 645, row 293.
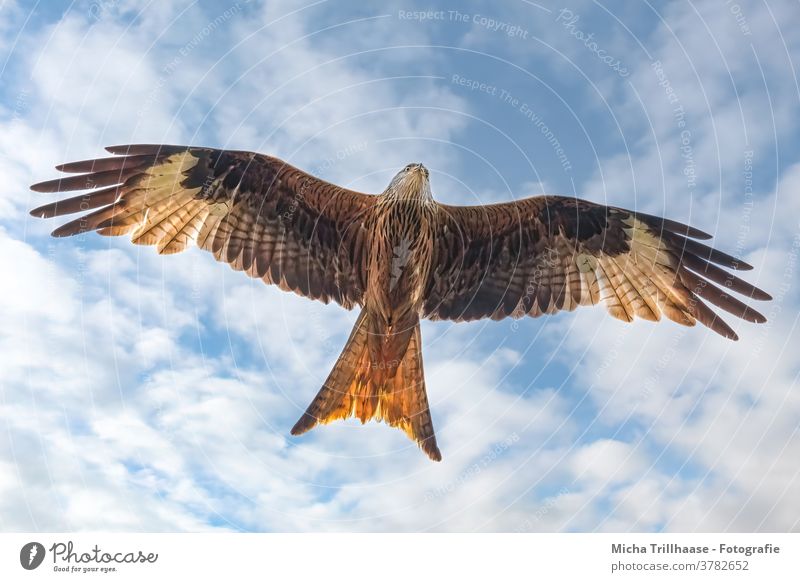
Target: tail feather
column 358, row 387
column 407, row 407
column 339, row 394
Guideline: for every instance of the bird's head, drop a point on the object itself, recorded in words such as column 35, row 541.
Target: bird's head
column 411, row 183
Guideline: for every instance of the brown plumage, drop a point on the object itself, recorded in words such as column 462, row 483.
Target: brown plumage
column 400, row 256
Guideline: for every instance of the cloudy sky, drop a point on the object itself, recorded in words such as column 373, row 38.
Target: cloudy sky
column 147, row 393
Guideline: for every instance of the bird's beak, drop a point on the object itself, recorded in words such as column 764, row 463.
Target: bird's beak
column 420, row 172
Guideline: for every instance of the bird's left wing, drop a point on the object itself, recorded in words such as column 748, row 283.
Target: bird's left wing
column 253, row 211
column 549, row 253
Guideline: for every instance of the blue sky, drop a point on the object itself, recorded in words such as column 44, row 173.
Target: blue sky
column 147, row 393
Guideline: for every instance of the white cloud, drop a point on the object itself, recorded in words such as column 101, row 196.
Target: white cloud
column 608, row 461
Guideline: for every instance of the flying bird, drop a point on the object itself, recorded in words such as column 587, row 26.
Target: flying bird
column 399, row 256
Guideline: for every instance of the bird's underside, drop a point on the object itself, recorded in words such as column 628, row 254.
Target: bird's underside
column 400, row 256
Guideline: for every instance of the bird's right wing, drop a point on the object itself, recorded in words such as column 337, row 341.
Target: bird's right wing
column 548, row 253
column 253, row 211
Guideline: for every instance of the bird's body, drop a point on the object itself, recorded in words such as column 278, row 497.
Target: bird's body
column 401, row 256
column 400, row 252
column 379, row 373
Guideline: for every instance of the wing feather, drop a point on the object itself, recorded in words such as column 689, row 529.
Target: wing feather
column 573, row 252
column 255, row 212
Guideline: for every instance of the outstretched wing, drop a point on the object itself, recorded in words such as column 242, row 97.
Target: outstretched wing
column 550, row 253
column 255, row 212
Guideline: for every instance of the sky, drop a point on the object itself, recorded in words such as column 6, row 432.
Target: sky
column 148, row 393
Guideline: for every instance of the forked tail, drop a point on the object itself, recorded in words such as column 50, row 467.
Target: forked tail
column 360, row 387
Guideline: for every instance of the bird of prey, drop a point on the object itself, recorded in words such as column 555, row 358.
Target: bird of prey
column 400, row 256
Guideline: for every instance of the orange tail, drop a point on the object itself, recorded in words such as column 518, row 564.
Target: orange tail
column 361, row 388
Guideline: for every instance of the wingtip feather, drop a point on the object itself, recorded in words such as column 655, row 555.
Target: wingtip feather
column 62, row 232
column 43, row 187
column 145, row 149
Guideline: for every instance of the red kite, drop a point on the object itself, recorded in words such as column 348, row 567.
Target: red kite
column 400, row 256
